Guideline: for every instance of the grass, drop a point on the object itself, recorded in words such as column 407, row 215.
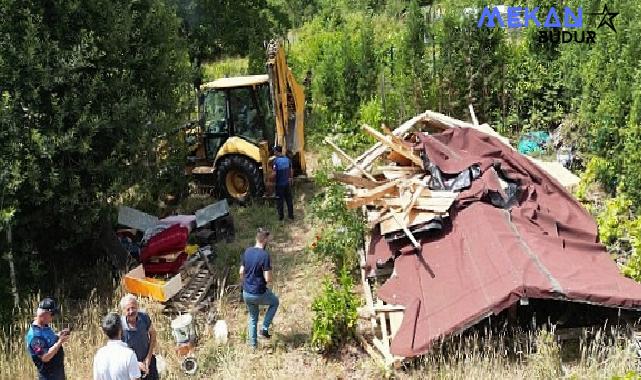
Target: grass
column 288, row 355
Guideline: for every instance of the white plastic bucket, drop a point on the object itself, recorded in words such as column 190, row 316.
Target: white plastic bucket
column 183, row 328
column 220, row 331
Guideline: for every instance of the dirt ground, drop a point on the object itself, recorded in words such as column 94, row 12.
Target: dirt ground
column 297, row 278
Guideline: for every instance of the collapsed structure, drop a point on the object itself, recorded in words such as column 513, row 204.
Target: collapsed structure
column 463, row 227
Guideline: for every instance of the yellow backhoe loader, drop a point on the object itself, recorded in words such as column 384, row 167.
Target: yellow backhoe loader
column 240, row 120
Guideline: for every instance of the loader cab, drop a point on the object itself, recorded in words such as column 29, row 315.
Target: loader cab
column 239, row 106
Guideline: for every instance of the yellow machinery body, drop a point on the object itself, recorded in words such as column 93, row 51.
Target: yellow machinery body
column 240, row 120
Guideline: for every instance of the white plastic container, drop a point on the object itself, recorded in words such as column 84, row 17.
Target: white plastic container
column 183, row 329
column 221, row 331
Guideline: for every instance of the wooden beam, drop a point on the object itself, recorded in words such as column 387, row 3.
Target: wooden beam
column 367, row 311
column 435, row 204
column 366, row 159
column 368, row 196
column 415, row 217
column 405, row 229
column 474, row 120
column 395, row 168
column 384, row 350
column 383, row 216
column 398, row 148
column 356, row 181
column 395, row 321
column 370, row 350
column 349, row 159
column 408, row 207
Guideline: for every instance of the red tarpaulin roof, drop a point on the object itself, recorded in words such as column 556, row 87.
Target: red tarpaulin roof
column 487, row 258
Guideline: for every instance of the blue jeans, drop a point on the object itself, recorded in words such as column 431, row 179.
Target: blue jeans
column 253, row 301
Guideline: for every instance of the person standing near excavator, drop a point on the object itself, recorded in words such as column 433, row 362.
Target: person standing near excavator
column 283, row 179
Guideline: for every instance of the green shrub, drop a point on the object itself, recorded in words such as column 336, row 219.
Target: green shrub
column 342, row 229
column 335, row 313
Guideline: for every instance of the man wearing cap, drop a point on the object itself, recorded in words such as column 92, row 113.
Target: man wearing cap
column 282, row 169
column 140, row 335
column 115, row 361
column 44, row 345
column 255, row 273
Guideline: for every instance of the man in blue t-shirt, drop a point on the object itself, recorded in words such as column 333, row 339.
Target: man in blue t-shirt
column 44, row 345
column 255, row 273
column 282, row 169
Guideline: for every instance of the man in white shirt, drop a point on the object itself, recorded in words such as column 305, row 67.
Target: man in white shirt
column 115, row 361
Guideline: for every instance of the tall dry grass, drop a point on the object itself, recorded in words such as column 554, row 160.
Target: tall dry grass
column 602, row 354
column 288, row 355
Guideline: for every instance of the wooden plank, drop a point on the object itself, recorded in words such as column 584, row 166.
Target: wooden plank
column 367, row 290
column 384, row 350
column 363, row 198
column 370, row 350
column 383, row 322
column 398, row 158
column 398, row 168
column 474, row 120
column 366, row 159
column 399, row 148
column 403, row 225
column 384, row 215
column 367, row 311
column 395, row 320
column 392, row 175
column 414, row 217
column 436, row 204
column 349, row 159
column 415, row 196
column 356, row 181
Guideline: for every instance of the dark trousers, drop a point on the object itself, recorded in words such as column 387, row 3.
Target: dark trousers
column 284, row 194
column 153, row 370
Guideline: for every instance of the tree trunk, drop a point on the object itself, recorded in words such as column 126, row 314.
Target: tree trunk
column 12, row 269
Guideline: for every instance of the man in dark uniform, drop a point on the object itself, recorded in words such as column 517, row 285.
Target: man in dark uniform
column 44, row 345
column 282, row 169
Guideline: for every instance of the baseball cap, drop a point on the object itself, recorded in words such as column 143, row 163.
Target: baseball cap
column 48, row 304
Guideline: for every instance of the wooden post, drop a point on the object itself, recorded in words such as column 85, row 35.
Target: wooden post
column 474, row 120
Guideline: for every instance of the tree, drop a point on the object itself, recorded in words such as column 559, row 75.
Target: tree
column 88, row 90
column 218, row 28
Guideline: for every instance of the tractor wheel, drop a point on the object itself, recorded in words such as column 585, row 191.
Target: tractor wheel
column 239, row 178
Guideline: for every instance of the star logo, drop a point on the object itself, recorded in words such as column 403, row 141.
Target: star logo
column 606, row 18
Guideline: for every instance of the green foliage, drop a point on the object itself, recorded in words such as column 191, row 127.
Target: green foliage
column 630, row 375
column 215, row 28
column 632, row 268
column 335, row 313
column 342, row 53
column 338, row 238
column 598, row 170
column 342, row 230
column 614, row 217
column 91, row 91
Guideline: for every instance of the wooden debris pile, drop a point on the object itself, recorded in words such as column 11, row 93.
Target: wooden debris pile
column 394, row 195
column 390, row 183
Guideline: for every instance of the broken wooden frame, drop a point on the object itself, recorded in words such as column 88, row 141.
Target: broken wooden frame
column 396, row 198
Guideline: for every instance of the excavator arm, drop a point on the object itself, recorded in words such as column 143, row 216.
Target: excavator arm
column 289, row 104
